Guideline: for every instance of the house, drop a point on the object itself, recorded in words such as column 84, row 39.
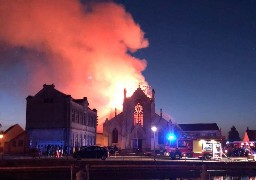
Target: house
column 249, row 138
column 201, row 131
column 14, row 140
column 55, row 119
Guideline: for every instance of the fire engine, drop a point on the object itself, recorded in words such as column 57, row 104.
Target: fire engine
column 194, row 148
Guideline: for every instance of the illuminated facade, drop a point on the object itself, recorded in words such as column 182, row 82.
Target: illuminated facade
column 131, row 129
column 56, row 119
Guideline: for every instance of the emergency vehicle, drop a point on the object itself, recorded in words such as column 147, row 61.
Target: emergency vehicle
column 202, row 149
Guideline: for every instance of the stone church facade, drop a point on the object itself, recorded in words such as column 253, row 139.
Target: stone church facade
column 56, row 119
column 131, row 131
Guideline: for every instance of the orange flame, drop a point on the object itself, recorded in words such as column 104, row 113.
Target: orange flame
column 81, row 48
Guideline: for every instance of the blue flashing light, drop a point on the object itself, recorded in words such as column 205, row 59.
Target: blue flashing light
column 171, row 137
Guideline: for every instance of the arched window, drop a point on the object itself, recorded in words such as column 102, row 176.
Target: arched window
column 138, row 114
column 115, row 136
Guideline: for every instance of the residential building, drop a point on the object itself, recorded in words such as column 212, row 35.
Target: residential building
column 249, row 139
column 14, row 140
column 201, row 131
column 56, row 119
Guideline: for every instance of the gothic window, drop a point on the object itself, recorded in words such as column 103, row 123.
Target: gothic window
column 115, row 136
column 138, row 114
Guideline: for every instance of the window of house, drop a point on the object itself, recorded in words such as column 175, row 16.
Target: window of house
column 79, row 118
column 93, row 122
column 115, row 136
column 89, row 120
column 73, row 115
column 85, row 119
column 76, row 116
column 14, row 143
column 138, row 114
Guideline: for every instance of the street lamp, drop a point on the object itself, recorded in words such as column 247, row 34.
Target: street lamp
column 2, row 148
column 154, row 128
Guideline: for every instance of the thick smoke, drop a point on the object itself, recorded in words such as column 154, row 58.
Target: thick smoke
column 84, row 49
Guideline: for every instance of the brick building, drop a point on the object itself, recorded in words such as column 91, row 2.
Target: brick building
column 56, row 119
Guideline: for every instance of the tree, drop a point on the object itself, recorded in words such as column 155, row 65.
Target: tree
column 233, row 135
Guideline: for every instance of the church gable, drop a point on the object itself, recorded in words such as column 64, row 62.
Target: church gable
column 138, row 108
column 118, row 119
column 115, row 123
column 139, row 96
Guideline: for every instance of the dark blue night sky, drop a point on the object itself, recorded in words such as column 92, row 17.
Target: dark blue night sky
column 201, row 59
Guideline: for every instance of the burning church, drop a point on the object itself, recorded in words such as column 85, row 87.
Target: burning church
column 131, row 131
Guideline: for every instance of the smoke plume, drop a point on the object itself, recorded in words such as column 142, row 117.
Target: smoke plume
column 85, row 49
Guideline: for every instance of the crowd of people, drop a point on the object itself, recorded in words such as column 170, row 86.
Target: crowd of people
column 50, row 150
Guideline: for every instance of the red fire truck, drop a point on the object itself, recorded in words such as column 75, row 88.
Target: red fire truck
column 202, row 149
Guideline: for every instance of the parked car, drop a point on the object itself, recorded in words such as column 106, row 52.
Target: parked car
column 91, row 152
